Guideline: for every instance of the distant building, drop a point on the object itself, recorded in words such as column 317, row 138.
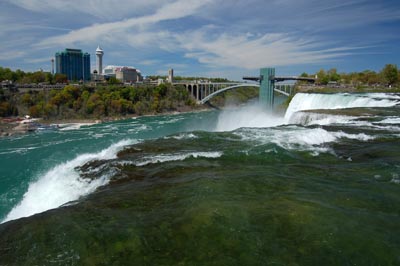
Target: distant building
column 171, row 75
column 74, row 64
column 99, row 60
column 96, row 77
column 123, row 73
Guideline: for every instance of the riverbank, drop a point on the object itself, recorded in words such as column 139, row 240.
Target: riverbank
column 12, row 125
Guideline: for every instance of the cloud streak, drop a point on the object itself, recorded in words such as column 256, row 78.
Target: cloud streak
column 104, row 9
column 93, row 33
column 208, row 35
column 247, row 52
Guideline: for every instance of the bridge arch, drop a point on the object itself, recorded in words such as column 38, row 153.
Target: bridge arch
column 212, row 95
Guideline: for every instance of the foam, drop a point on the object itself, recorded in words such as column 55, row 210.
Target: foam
column 161, row 158
column 62, row 184
column 306, row 119
column 73, row 126
column 314, row 101
column 391, row 120
column 298, row 138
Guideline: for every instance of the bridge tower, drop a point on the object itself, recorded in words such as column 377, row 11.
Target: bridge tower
column 267, row 84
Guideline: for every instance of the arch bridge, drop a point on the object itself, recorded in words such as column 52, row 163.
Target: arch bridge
column 205, row 91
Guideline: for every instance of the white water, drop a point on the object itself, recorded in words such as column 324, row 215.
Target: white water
column 254, row 116
column 298, row 138
column 62, row 184
column 306, row 119
column 73, row 126
column 176, row 157
column 314, row 101
column 393, row 120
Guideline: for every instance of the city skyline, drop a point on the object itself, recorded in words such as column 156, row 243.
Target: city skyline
column 204, row 38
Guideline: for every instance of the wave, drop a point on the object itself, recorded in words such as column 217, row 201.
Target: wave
column 391, row 120
column 63, row 184
column 307, row 118
column 73, row 126
column 182, row 136
column 161, row 158
column 299, row 138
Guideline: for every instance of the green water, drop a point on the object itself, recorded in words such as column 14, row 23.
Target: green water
column 319, row 193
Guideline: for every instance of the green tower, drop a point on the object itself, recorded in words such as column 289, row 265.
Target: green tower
column 267, row 84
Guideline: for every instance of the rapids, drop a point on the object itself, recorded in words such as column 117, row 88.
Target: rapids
column 319, row 185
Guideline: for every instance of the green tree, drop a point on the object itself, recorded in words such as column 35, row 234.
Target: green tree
column 49, row 110
column 35, row 111
column 60, row 78
column 38, row 77
column 5, row 109
column 322, row 77
column 333, row 75
column 390, row 74
column 57, row 100
column 371, row 77
column 304, row 75
column 95, row 105
column 85, row 95
column 7, row 74
column 161, row 90
column 113, row 80
column 19, row 74
column 27, row 100
column 133, row 94
column 398, row 76
column 49, row 78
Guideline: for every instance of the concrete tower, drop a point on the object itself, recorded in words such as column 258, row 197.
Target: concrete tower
column 99, row 59
column 52, row 66
column 171, row 75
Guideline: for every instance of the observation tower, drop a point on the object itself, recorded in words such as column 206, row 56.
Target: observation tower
column 99, row 59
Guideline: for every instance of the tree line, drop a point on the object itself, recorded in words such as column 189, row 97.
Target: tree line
column 37, row 77
column 88, row 102
column 388, row 76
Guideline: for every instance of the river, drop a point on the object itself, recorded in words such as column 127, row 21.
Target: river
column 318, row 186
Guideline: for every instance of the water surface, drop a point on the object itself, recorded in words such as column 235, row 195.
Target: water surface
column 238, row 187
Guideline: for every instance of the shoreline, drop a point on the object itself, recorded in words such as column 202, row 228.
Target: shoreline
column 14, row 127
column 11, row 126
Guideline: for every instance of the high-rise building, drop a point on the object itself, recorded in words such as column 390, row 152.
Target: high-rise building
column 74, row 64
column 99, row 59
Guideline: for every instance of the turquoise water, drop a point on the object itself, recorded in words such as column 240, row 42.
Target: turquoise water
column 236, row 187
column 26, row 159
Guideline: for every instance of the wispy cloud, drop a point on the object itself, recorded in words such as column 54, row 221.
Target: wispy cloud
column 150, row 62
column 11, row 55
column 37, row 60
column 244, row 51
column 210, row 36
column 105, row 9
column 175, row 10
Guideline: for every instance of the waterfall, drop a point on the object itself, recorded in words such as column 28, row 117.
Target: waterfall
column 315, row 101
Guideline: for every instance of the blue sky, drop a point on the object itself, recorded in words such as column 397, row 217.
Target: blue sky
column 214, row 38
